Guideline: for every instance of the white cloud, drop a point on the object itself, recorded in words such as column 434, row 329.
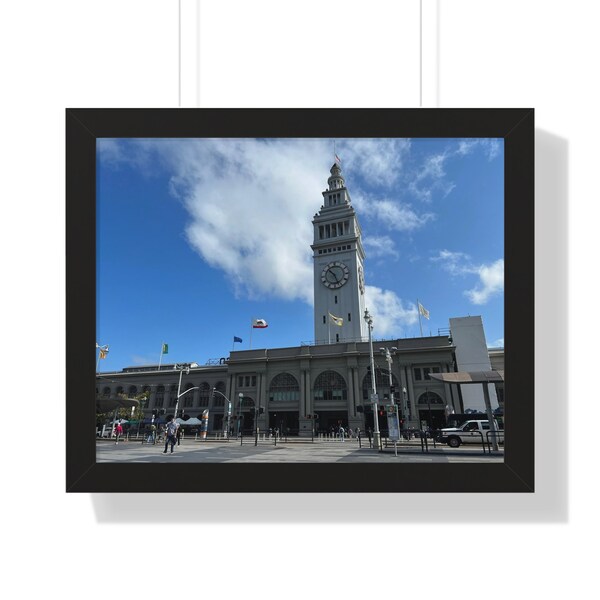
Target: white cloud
column 431, row 178
column 392, row 215
column 379, row 161
column 491, row 276
column 499, row 343
column 490, row 146
column 453, row 262
column 376, row 247
column 390, row 315
column 491, row 282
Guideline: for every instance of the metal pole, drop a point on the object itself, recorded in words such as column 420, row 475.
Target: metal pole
column 388, row 357
column 376, row 434
column 178, row 390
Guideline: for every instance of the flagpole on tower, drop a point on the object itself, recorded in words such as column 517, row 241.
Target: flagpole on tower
column 419, row 311
column 251, row 322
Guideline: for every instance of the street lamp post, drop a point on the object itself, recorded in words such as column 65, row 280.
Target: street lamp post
column 376, row 434
column 388, row 357
column 182, row 368
column 227, row 418
column 405, row 396
column 239, row 419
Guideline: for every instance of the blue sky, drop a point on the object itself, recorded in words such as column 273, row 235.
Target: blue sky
column 197, row 237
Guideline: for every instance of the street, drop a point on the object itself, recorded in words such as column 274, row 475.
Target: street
column 192, row 451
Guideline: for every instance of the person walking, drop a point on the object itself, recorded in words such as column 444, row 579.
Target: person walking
column 171, row 435
column 118, row 432
column 179, row 432
column 341, row 432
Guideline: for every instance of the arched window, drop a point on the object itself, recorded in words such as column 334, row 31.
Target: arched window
column 106, row 392
column 204, row 394
column 429, row 398
column 284, row 388
column 218, row 400
column 120, row 391
column 173, row 396
column 132, row 391
column 188, row 399
column 160, row 396
column 330, row 386
column 382, row 382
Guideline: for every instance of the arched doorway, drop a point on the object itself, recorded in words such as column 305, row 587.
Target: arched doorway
column 431, row 410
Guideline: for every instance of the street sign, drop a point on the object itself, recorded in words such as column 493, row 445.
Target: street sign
column 374, row 398
column 393, row 424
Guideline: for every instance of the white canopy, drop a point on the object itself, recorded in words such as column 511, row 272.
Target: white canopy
column 190, row 421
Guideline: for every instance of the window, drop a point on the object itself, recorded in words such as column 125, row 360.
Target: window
column 335, row 299
column 334, row 230
column 324, row 319
column 189, row 396
column 422, row 373
column 349, row 317
column 382, row 381
column 204, row 394
column 160, row 396
column 321, row 232
column 284, row 388
column 337, row 337
column 240, row 381
column 430, row 398
column 253, row 380
column 247, row 380
column 330, row 385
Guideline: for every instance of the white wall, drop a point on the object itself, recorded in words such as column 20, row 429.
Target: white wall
column 125, row 53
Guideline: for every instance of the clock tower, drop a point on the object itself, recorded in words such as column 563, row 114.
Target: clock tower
column 338, row 267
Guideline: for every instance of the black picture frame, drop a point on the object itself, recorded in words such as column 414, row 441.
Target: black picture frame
column 84, row 126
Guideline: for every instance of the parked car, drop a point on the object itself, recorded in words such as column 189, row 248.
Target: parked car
column 473, row 431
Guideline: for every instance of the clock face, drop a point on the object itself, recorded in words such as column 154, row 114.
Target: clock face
column 335, row 275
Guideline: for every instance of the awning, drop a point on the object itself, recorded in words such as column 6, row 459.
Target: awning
column 190, row 421
column 470, row 377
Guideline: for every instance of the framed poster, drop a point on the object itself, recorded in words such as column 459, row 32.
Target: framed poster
column 234, row 233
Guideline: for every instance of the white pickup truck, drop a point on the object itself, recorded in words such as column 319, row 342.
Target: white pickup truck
column 470, row 432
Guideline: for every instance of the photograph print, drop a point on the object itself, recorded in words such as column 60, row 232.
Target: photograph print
column 329, row 302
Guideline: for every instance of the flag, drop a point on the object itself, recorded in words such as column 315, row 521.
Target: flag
column 337, row 320
column 259, row 323
column 423, row 311
column 165, row 349
column 237, row 339
column 337, row 159
column 103, row 351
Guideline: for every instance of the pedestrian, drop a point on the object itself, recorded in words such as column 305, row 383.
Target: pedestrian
column 179, row 432
column 153, row 433
column 118, row 432
column 341, row 432
column 350, row 432
column 171, row 432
